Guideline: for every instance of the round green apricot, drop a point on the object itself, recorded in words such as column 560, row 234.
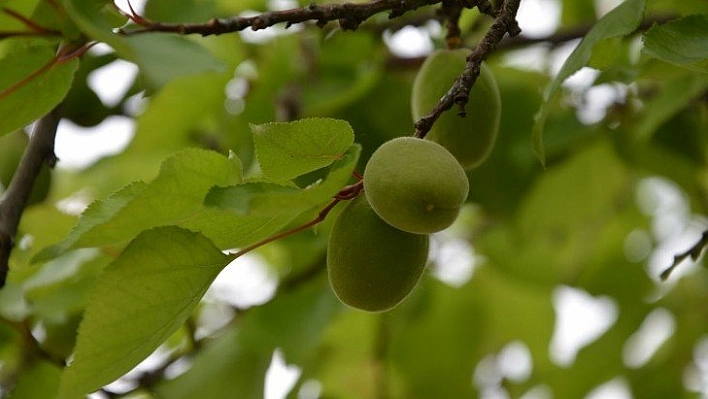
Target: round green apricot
column 470, row 139
column 371, row 265
column 415, row 185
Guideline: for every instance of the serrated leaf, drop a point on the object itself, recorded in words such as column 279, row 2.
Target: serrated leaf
column 140, row 300
column 621, row 21
column 28, row 67
column 272, row 199
column 175, row 197
column 683, row 41
column 286, row 150
column 97, row 213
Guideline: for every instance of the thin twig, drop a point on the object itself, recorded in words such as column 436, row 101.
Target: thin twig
column 694, row 253
column 40, row 151
column 458, row 94
column 348, row 15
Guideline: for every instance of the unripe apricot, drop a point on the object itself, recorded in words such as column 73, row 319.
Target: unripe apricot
column 371, row 265
column 415, row 185
column 469, row 139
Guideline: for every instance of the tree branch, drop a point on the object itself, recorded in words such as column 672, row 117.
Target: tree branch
column 694, row 252
column 504, row 23
column 348, row 15
column 40, row 150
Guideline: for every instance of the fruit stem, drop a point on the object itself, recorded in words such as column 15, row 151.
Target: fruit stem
column 345, row 194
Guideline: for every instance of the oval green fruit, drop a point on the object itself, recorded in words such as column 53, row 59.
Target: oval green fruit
column 415, row 185
column 371, row 265
column 470, row 139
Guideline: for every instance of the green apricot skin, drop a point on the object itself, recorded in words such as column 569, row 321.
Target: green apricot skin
column 415, row 185
column 470, row 139
column 371, row 265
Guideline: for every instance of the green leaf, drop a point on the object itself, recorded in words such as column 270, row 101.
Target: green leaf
column 28, row 67
column 140, row 300
column 164, row 57
column 175, row 197
column 97, row 19
column 621, row 21
column 235, row 365
column 286, row 150
column 22, row 7
column 161, row 57
column 272, row 199
column 683, row 41
column 97, row 213
column 40, row 380
column 673, row 97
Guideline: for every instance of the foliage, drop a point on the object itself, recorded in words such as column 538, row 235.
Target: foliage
column 246, row 143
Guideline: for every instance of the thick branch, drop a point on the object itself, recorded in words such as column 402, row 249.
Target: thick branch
column 40, row 150
column 349, row 16
column 504, row 23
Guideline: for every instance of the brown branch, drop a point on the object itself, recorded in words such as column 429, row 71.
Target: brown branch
column 40, row 150
column 694, row 252
column 504, row 23
column 348, row 15
column 452, row 11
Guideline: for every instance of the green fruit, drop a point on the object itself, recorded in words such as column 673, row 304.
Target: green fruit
column 469, row 139
column 373, row 266
column 415, row 185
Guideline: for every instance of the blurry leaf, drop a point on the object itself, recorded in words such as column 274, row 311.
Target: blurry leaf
column 12, row 146
column 97, row 19
column 61, row 287
column 228, row 368
column 234, row 365
column 683, row 41
column 272, row 199
column 621, row 21
column 29, row 67
column 437, row 325
column 140, row 300
column 674, row 96
column 40, row 380
column 22, row 7
column 289, row 149
column 511, row 160
column 349, row 67
column 344, row 363
column 575, row 12
column 162, row 57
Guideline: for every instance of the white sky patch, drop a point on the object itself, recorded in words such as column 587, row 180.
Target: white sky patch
column 78, row 147
column 515, row 362
column 112, row 81
column 530, row 23
column 138, row 5
column 581, row 319
column 616, row 388
column 280, row 377
column 658, row 326
column 454, row 259
column 409, row 42
column 245, row 282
